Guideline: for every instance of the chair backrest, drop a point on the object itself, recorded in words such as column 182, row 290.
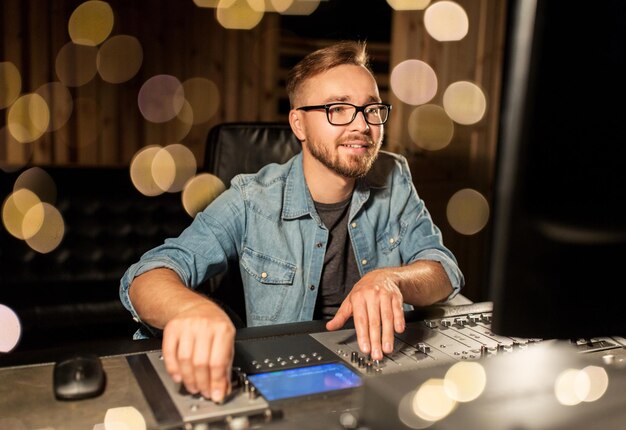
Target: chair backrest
column 243, row 147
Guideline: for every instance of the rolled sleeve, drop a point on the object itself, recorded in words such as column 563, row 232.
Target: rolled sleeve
column 449, row 265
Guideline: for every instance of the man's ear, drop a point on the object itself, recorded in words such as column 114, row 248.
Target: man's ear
column 296, row 124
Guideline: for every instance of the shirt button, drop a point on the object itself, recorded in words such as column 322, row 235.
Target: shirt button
column 263, row 275
column 312, row 287
column 363, row 262
column 319, row 244
column 392, row 240
column 353, row 225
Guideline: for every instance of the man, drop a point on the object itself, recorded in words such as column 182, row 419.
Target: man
column 337, row 230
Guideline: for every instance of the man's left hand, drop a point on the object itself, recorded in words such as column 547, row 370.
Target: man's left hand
column 375, row 304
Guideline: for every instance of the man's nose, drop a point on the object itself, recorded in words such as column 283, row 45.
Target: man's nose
column 359, row 122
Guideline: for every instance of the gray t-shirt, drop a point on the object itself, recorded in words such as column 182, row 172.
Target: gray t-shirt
column 340, row 270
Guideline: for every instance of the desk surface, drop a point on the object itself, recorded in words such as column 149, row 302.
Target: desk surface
column 27, row 401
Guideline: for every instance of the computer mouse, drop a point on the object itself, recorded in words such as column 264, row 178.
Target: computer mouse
column 78, row 377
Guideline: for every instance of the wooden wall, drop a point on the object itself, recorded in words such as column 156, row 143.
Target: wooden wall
column 249, row 68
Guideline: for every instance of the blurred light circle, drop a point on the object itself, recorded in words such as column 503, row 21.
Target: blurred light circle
column 266, row 5
column 468, row 211
column 39, row 182
column 568, row 387
column 430, row 127
column 59, row 101
column 407, row 414
column 203, row 97
column 446, row 21
column 464, row 102
column 10, row 82
column 239, row 15
column 161, row 98
column 50, row 234
column 141, row 171
column 119, row 59
column 28, row 118
column 76, row 64
column 11, row 330
column 295, row 7
column 91, row 23
column 414, row 82
column 465, row 381
column 408, row 4
column 431, row 401
column 599, row 383
column 15, row 208
column 200, row 191
column 173, row 166
column 124, row 418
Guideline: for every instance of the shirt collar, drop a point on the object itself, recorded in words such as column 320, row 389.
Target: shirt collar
column 298, row 201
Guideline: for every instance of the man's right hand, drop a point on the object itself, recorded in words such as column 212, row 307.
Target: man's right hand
column 198, row 350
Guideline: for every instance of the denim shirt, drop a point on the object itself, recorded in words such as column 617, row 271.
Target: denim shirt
column 268, row 222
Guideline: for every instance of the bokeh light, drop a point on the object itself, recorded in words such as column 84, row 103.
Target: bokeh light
column 200, row 191
column 10, row 82
column 408, row 4
column 50, row 234
column 14, row 210
column 465, row 381
column 467, row 211
column 124, row 418
column 239, row 15
column 76, row 64
column 28, row 118
column 173, row 166
column 141, row 171
column 204, row 98
column 464, row 102
column 430, row 127
column 446, row 21
column 570, row 386
column 91, row 23
column 39, row 182
column 407, row 415
column 11, row 330
column 295, row 7
column 161, row 98
column 431, row 402
column 119, row 59
column 414, row 82
column 12, row 423
column 59, row 101
column 599, row 383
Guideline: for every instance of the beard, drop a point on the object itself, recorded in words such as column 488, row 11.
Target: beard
column 349, row 166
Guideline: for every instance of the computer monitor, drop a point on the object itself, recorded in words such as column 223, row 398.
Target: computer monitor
column 558, row 254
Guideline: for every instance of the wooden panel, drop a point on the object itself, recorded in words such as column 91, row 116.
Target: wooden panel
column 468, row 161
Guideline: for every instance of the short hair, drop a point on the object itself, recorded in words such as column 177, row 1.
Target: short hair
column 338, row 54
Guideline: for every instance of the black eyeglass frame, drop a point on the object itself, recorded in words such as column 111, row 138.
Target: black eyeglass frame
column 358, row 109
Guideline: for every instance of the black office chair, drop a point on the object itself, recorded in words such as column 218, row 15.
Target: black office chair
column 243, row 147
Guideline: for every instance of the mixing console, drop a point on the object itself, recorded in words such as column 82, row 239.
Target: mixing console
column 302, row 365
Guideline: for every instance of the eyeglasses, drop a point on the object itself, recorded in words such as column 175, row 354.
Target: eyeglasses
column 344, row 113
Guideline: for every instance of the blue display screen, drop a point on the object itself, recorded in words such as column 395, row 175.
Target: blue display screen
column 322, row 378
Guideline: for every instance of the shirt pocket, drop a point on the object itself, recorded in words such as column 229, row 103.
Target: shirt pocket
column 391, row 237
column 269, row 279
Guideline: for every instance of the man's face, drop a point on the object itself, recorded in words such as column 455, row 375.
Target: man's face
column 349, row 150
